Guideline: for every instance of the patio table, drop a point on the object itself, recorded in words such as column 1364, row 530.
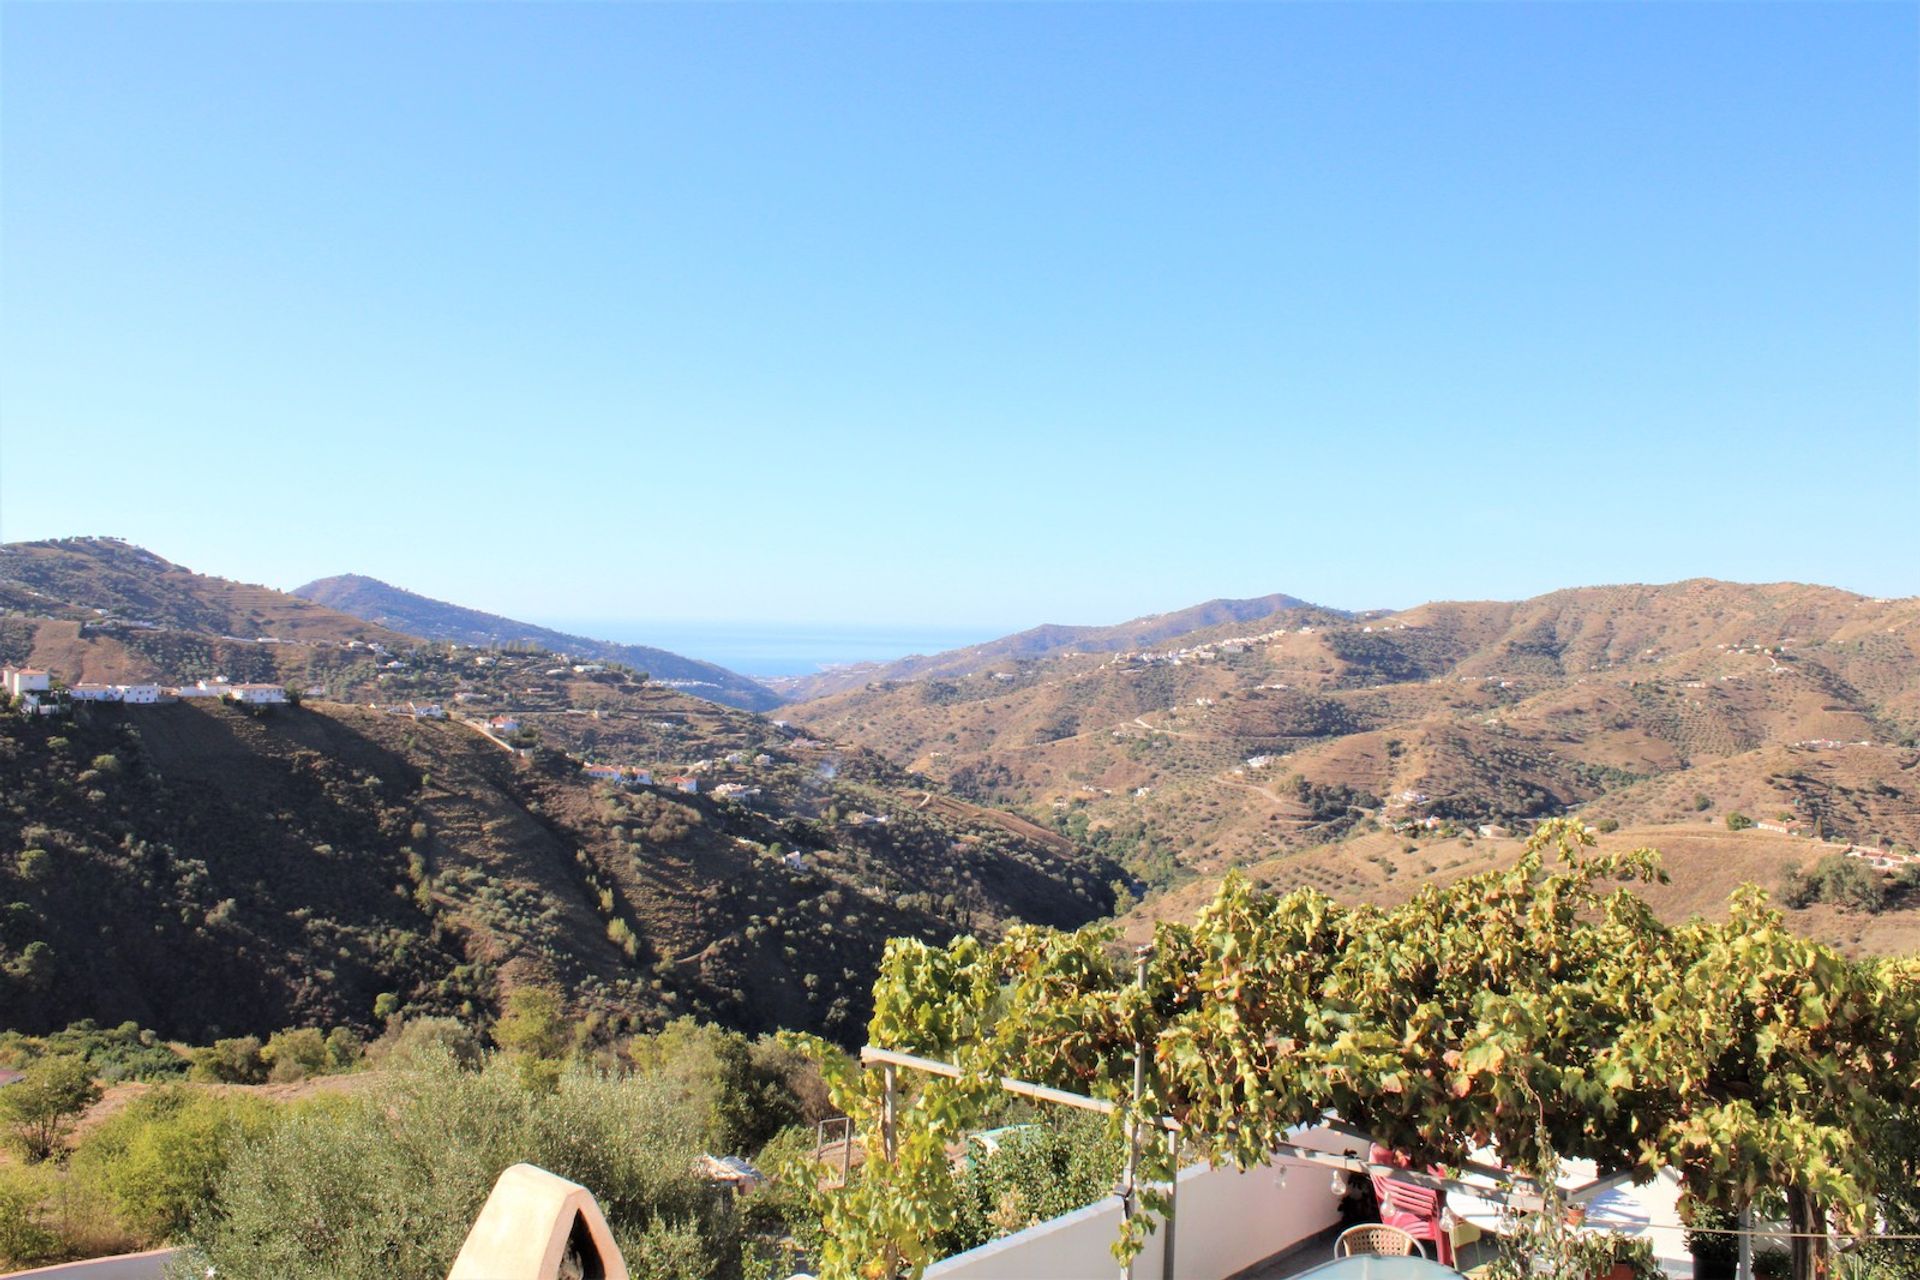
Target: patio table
column 1371, row 1266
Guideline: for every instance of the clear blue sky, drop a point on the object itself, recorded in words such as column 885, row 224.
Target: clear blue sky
column 984, row 315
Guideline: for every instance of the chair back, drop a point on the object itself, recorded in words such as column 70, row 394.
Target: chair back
column 1377, row 1238
column 1396, row 1196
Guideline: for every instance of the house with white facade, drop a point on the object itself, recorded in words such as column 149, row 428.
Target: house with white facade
column 198, row 690
column 139, row 693
column 89, row 691
column 25, row 680
column 256, row 694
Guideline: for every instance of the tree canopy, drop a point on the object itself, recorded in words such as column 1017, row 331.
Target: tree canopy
column 1542, row 1009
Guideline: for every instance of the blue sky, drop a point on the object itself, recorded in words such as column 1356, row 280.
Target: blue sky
column 965, row 315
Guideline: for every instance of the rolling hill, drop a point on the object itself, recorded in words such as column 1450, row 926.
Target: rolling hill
column 210, row 870
column 105, row 581
column 1053, row 640
column 420, row 826
column 1648, row 705
column 420, row 615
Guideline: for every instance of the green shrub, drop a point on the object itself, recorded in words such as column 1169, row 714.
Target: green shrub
column 40, row 1109
column 1845, row 882
column 235, row 1061
column 1038, row 1172
column 25, row 1239
column 159, row 1158
column 296, row 1054
column 1737, row 821
column 533, row 1024
column 386, row 1184
column 125, row 1052
column 407, row 1043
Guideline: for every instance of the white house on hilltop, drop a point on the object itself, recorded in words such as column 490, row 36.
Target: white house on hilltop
column 256, row 694
column 23, row 680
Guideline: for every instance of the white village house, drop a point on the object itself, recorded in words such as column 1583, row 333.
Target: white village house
column 25, row 680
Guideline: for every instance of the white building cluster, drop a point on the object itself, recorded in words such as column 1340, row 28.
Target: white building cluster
column 33, row 690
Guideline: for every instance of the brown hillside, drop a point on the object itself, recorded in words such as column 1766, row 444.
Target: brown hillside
column 1633, row 702
column 105, row 580
column 205, row 870
column 1705, row 863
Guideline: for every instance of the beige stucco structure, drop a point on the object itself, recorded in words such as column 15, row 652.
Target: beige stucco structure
column 534, row 1224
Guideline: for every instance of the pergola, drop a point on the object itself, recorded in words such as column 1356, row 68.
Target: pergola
column 1501, row 1186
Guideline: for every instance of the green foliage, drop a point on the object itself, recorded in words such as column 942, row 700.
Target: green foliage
column 1847, row 883
column 125, row 1052
column 238, row 1060
column 25, row 1238
column 39, row 1109
column 407, row 1042
column 1040, row 1171
column 1533, row 1008
column 1737, row 821
column 296, row 1054
column 158, row 1159
column 385, row 1185
column 533, row 1025
column 34, row 865
column 747, row 1091
column 669, row 1249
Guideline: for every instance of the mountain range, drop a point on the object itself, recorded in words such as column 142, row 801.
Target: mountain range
column 459, row 805
column 429, row 826
column 1281, row 742
column 419, row 615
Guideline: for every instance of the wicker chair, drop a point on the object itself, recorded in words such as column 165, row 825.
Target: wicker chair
column 1377, row 1237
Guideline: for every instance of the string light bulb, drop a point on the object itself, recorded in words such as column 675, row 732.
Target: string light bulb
column 1280, row 1178
column 1339, row 1183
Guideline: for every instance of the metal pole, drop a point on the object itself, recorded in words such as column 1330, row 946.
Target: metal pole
column 887, row 1113
column 1129, row 1180
column 1167, row 1269
column 1746, row 1243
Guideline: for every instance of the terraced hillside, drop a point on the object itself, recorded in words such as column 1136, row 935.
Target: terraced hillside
column 1644, row 704
column 1706, row 863
column 420, row 831
column 1184, row 627
column 207, row 870
column 106, row 589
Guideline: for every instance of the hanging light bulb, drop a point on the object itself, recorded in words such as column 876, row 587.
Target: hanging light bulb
column 1280, row 1178
column 1339, row 1184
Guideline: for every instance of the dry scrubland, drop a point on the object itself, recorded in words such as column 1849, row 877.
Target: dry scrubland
column 1270, row 740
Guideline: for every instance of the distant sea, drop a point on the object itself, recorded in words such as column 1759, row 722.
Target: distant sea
column 774, row 649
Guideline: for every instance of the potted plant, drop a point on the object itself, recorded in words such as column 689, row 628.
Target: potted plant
column 1607, row 1256
column 1716, row 1254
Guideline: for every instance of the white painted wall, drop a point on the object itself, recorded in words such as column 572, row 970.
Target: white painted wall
column 151, row 1265
column 1224, row 1222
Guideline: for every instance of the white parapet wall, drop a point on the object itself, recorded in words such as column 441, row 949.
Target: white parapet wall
column 1224, row 1222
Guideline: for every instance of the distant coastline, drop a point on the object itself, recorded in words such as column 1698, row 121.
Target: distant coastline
column 781, row 649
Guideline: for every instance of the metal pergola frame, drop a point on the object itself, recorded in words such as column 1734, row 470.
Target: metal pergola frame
column 1507, row 1188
